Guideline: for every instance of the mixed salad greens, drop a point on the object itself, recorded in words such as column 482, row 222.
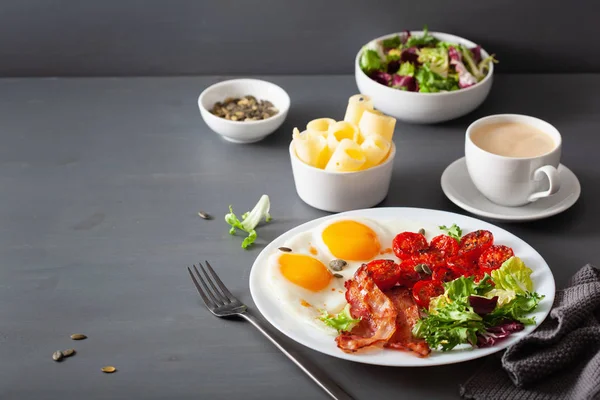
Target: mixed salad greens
column 480, row 313
column 423, row 63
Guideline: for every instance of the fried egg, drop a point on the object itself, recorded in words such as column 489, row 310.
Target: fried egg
column 302, row 281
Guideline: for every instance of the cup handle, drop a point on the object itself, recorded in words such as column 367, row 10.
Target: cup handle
column 553, row 178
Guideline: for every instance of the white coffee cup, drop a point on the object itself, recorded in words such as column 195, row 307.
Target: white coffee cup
column 513, row 181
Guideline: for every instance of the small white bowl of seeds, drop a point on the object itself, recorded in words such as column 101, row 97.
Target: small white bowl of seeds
column 244, row 110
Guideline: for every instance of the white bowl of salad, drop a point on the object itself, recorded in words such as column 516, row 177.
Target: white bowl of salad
column 424, row 77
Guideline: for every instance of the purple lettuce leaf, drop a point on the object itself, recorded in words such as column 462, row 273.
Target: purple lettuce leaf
column 381, row 77
column 483, row 305
column 410, row 55
column 393, row 67
column 409, row 83
column 465, row 78
column 454, row 54
column 498, row 333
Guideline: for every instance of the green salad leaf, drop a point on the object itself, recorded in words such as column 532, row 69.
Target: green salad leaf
column 406, row 69
column 430, row 82
column 424, row 40
column 391, row 43
column 393, row 55
column 513, row 275
column 470, row 63
column 341, row 321
column 436, row 58
column 454, row 231
column 370, row 61
column 504, row 296
column 463, row 287
column 250, row 220
column 516, row 309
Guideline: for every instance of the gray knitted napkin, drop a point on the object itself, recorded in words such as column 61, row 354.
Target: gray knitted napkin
column 559, row 360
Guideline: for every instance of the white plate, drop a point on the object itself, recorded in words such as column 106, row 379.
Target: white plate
column 459, row 188
column 311, row 337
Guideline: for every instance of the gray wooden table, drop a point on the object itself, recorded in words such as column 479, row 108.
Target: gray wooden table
column 101, row 181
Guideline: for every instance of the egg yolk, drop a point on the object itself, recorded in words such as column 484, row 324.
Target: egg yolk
column 304, row 271
column 351, row 241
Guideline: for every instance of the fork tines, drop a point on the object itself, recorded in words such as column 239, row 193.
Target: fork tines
column 219, row 295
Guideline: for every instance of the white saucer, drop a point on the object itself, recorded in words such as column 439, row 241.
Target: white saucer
column 459, row 188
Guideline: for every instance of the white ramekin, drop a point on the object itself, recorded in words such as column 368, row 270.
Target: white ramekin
column 342, row 191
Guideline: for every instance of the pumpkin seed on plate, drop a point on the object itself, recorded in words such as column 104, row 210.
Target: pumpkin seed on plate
column 78, row 336
column 337, row 265
column 285, row 249
column 109, row 369
column 422, row 231
column 338, row 275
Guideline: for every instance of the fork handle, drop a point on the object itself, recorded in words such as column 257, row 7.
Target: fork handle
column 320, row 378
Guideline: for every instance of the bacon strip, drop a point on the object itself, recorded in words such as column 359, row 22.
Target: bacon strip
column 377, row 313
column 406, row 318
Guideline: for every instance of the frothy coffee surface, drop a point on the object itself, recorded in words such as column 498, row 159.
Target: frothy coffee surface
column 512, row 139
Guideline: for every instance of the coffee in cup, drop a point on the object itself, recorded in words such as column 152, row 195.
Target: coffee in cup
column 513, row 159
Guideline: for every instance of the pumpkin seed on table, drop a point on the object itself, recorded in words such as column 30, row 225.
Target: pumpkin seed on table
column 78, row 336
column 337, row 265
column 68, row 352
column 204, row 215
column 285, row 249
column 57, row 355
column 109, row 369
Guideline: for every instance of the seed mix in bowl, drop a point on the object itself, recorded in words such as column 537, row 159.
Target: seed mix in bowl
column 246, row 108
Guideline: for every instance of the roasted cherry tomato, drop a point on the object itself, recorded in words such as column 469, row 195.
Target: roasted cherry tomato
column 423, row 291
column 409, row 276
column 432, row 257
column 466, row 267
column 446, row 274
column 385, row 273
column 493, row 257
column 445, row 244
column 406, row 244
column 475, row 243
